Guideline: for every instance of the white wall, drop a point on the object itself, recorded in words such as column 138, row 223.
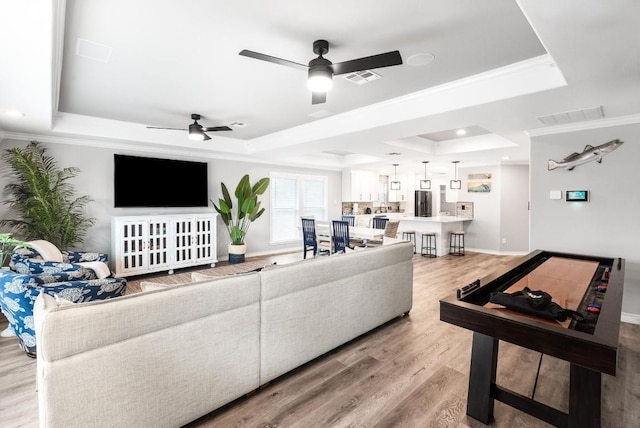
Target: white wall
column 501, row 213
column 96, row 180
column 514, row 208
column 607, row 225
column 484, row 231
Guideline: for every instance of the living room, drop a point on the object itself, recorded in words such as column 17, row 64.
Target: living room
column 595, row 62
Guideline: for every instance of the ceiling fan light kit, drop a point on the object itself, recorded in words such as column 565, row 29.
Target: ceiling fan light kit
column 321, row 70
column 196, row 131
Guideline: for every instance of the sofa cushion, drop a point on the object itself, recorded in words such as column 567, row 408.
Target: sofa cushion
column 311, row 307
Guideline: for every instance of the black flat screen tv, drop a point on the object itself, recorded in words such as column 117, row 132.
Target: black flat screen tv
column 154, row 182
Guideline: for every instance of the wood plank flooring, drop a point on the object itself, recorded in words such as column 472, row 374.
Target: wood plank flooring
column 411, row 372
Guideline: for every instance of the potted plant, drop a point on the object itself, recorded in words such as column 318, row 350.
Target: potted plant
column 41, row 194
column 247, row 210
column 7, row 244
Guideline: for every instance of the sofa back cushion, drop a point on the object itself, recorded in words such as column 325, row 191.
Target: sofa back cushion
column 161, row 353
column 313, row 306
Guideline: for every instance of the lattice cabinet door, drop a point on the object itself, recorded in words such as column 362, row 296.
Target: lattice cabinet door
column 183, row 253
column 158, row 240
column 205, row 238
column 131, row 247
column 145, row 244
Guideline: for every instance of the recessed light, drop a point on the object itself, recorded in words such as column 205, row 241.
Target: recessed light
column 420, row 59
column 505, row 158
column 238, row 124
column 461, row 132
column 13, row 113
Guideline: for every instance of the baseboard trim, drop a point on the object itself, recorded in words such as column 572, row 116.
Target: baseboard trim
column 630, row 318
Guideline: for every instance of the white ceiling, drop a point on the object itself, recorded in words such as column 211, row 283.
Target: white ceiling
column 497, row 65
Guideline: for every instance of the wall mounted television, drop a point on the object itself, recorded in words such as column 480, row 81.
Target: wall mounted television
column 154, row 182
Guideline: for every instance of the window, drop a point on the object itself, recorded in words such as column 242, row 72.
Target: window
column 292, row 196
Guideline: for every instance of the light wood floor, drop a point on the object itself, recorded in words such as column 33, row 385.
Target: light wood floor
column 411, row 372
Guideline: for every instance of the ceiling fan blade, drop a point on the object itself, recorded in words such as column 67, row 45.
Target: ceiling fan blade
column 368, row 63
column 206, row 137
column 217, row 128
column 273, row 59
column 318, row 97
column 173, row 129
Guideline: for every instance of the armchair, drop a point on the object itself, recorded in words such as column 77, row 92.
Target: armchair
column 18, row 293
column 30, row 261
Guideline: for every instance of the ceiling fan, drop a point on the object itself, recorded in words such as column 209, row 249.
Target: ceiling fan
column 197, row 131
column 321, row 70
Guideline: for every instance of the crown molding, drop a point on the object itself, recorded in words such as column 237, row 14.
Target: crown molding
column 582, row 126
column 130, row 147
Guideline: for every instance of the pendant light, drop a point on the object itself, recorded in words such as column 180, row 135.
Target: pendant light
column 425, row 184
column 455, row 184
column 395, row 185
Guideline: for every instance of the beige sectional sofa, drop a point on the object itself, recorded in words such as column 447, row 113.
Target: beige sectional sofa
column 164, row 358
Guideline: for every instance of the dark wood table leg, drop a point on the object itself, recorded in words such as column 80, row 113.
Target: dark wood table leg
column 484, row 362
column 584, row 397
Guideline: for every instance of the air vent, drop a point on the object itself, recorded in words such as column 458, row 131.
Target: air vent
column 362, row 77
column 572, row 116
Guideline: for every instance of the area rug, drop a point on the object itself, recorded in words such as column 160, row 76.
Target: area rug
column 184, row 275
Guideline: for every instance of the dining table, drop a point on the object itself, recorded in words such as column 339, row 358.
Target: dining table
column 365, row 233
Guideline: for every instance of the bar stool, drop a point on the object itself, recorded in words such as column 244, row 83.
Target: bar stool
column 410, row 235
column 429, row 244
column 456, row 242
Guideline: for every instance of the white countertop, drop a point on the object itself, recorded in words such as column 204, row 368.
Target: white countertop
column 411, row 217
column 437, row 219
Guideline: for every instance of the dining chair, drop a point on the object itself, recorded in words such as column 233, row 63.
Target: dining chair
column 340, row 236
column 324, row 235
column 380, row 222
column 350, row 218
column 310, row 241
column 390, row 231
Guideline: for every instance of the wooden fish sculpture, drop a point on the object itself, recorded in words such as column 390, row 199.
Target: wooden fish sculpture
column 589, row 154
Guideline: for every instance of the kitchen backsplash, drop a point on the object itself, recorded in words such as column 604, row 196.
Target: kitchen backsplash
column 347, row 208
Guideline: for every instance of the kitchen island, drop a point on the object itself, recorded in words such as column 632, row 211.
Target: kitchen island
column 441, row 225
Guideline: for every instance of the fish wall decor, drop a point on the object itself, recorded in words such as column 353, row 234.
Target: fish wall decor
column 589, row 154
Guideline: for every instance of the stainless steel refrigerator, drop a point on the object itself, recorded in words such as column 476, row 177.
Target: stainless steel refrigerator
column 423, row 203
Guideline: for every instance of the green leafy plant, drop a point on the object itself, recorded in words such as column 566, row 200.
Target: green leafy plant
column 7, row 244
column 42, row 195
column 247, row 207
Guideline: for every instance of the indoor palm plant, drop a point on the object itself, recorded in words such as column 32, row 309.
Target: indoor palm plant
column 247, row 210
column 41, row 194
column 7, row 244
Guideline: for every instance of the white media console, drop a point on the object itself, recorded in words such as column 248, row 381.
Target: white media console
column 145, row 244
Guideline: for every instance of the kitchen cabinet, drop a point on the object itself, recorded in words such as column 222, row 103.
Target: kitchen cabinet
column 360, row 186
column 145, row 244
